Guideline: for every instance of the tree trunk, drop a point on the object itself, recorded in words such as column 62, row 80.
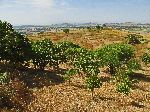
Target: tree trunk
column 42, row 68
column 92, row 93
column 112, row 70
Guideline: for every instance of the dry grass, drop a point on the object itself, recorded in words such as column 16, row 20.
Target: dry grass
column 76, row 98
column 85, row 38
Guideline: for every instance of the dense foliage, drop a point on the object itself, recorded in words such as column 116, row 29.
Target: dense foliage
column 134, row 39
column 14, row 46
column 121, row 62
column 98, row 27
column 4, row 78
column 93, row 82
column 114, row 56
column 146, row 58
column 42, row 52
column 66, row 30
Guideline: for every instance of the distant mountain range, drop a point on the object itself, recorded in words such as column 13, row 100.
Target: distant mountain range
column 68, row 25
column 61, row 25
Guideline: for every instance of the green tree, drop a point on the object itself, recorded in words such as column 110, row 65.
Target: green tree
column 98, row 27
column 121, row 61
column 42, row 53
column 66, row 30
column 83, row 61
column 114, row 56
column 93, row 82
column 14, row 46
column 64, row 51
column 104, row 26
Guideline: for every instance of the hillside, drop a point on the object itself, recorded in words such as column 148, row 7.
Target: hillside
column 76, row 98
column 52, row 94
column 88, row 39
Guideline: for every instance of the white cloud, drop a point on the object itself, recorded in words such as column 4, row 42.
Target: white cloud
column 34, row 3
column 43, row 3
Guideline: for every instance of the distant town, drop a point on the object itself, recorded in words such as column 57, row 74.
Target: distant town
column 37, row 29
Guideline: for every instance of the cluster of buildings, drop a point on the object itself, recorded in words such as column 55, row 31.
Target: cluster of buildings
column 35, row 29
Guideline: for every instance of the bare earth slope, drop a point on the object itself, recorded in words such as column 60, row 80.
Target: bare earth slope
column 76, row 98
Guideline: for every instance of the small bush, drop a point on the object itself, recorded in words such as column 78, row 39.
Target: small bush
column 89, row 29
column 66, row 30
column 123, row 82
column 133, row 39
column 114, row 56
column 69, row 74
column 98, row 27
column 146, row 58
column 64, row 51
column 93, row 82
column 133, row 65
column 124, row 87
column 42, row 52
column 4, row 78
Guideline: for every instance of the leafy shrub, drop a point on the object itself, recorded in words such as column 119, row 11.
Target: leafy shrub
column 114, row 56
column 70, row 73
column 80, row 60
column 57, row 57
column 122, row 78
column 93, row 82
column 134, row 39
column 66, row 30
column 124, row 86
column 133, row 65
column 14, row 46
column 66, row 45
column 4, row 78
column 146, row 58
column 121, row 62
column 98, row 27
column 42, row 52
column 64, row 51
column 84, row 61
column 74, row 52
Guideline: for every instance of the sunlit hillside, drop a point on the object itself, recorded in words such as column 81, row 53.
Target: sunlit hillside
column 48, row 76
column 88, row 39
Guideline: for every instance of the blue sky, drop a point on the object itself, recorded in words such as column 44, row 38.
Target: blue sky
column 45, row 12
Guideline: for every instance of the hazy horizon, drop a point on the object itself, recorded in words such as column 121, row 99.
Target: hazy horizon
column 77, row 23
column 47, row 12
